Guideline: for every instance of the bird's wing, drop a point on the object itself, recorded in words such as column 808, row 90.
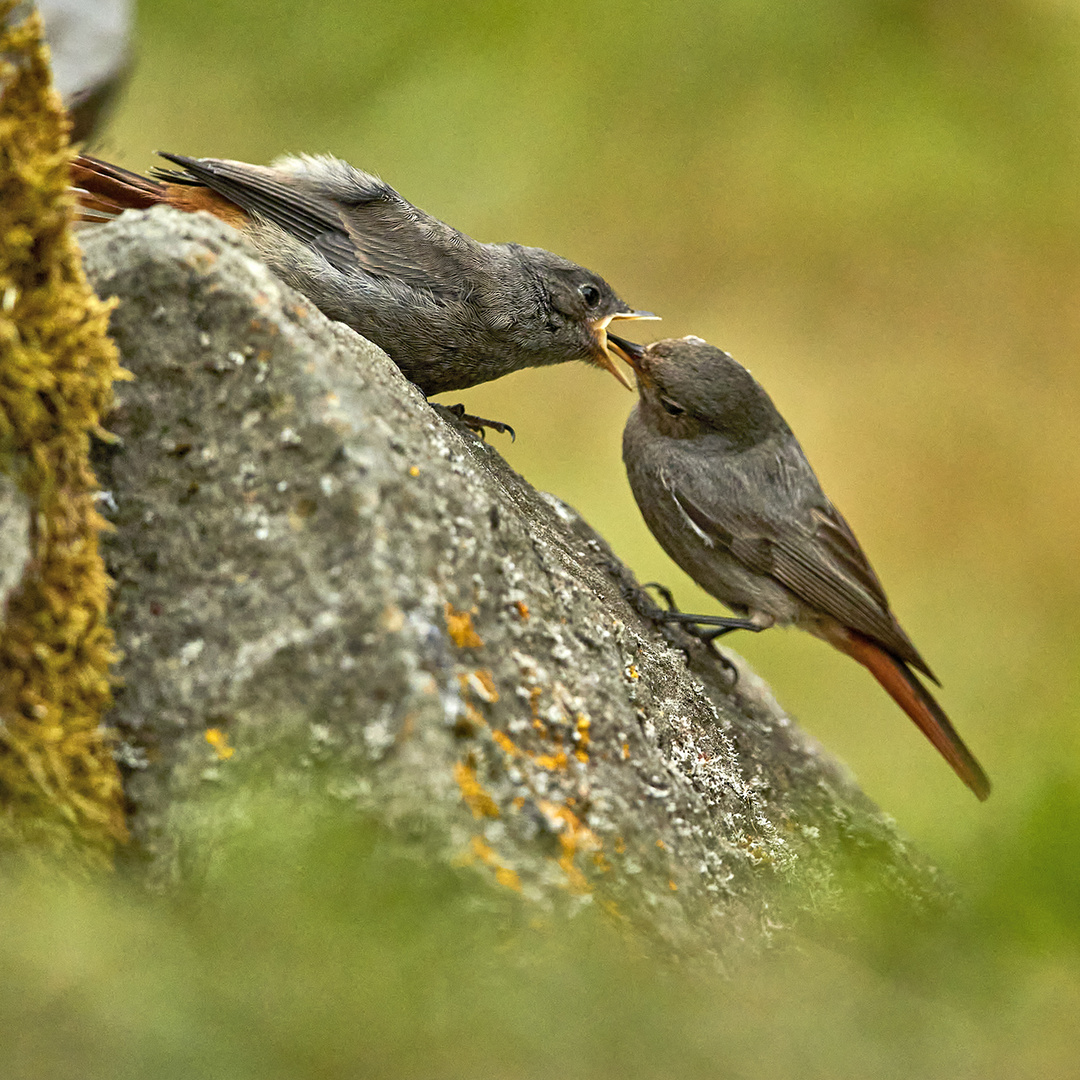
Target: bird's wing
column 363, row 226
column 804, row 544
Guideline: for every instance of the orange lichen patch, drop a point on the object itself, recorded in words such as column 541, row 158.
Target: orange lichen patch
column 220, row 742
column 534, row 708
column 600, row 862
column 414, row 470
column 581, row 737
column 672, row 886
column 626, row 751
column 661, row 845
column 632, row 673
column 508, row 878
column 484, row 853
column 518, row 802
column 522, row 609
column 459, row 624
column 612, row 909
column 575, row 879
column 481, row 683
column 552, row 762
column 574, row 836
column 476, row 798
column 506, row 744
column 620, row 846
column 60, row 788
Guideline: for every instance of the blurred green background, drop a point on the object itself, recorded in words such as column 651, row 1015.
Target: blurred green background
column 873, row 204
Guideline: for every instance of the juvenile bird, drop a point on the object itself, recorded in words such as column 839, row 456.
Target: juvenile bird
column 726, row 489
column 450, row 311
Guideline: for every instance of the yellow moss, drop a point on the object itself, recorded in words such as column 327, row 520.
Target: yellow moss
column 59, row 786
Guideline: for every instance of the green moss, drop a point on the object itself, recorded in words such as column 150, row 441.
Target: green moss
column 59, row 787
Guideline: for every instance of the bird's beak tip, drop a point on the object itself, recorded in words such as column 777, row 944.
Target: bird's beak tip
column 609, row 363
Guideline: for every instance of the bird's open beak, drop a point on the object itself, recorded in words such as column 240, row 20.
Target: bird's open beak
column 611, row 347
column 630, row 351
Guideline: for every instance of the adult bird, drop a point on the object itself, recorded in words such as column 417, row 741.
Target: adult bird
column 726, row 489
column 450, row 311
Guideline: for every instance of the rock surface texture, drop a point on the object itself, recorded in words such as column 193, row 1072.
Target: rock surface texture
column 324, row 584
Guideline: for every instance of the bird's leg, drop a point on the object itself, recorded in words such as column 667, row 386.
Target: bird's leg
column 710, row 627
column 718, row 624
column 474, row 423
column 706, row 628
column 664, row 593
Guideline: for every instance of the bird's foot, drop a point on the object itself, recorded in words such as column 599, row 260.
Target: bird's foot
column 706, row 628
column 664, row 593
column 475, row 423
column 709, row 627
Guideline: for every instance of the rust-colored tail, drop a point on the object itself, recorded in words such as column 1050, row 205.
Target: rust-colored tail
column 904, row 687
column 105, row 190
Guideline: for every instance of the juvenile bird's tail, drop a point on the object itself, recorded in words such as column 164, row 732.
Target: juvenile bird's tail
column 103, row 191
column 904, row 687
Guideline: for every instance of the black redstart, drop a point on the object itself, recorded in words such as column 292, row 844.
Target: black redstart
column 725, row 487
column 450, row 311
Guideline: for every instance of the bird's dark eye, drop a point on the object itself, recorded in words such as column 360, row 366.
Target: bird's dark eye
column 672, row 407
column 590, row 294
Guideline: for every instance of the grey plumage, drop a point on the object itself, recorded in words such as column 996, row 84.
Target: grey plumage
column 727, row 491
column 451, row 311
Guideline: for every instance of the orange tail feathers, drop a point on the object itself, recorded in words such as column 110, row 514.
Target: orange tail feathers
column 105, row 190
column 904, row 687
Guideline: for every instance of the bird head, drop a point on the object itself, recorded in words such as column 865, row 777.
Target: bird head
column 581, row 307
column 688, row 387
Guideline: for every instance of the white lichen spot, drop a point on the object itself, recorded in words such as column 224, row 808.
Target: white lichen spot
column 192, row 651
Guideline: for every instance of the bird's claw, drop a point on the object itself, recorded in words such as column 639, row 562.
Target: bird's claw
column 478, row 423
column 664, row 593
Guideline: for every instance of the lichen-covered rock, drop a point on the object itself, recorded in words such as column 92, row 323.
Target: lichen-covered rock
column 322, row 581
